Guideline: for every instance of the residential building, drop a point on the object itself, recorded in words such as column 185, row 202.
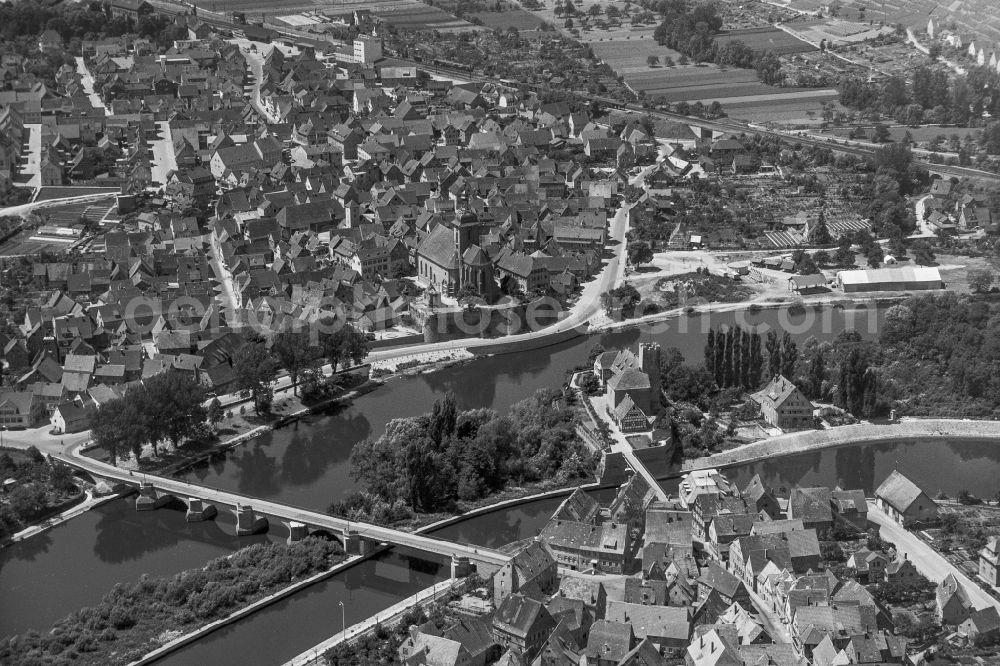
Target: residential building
column 580, row 546
column 953, row 604
column 904, row 501
column 523, row 624
column 15, row 409
column 783, row 405
column 532, row 571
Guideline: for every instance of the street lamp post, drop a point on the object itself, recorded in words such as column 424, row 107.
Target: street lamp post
column 343, row 621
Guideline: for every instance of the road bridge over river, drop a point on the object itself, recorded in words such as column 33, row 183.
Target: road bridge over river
column 254, row 514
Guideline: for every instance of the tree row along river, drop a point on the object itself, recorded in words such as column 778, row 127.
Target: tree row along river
column 73, row 565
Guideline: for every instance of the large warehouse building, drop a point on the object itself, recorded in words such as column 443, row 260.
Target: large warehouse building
column 903, row 278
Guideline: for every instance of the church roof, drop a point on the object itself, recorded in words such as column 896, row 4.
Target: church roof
column 439, row 248
column 474, row 256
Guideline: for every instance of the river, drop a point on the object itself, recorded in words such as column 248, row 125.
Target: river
column 308, row 465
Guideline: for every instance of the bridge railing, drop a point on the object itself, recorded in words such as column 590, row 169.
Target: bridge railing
column 266, row 506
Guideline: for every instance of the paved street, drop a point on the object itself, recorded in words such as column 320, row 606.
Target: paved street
column 88, row 85
column 30, row 168
column 226, row 294
column 164, row 160
column 928, row 561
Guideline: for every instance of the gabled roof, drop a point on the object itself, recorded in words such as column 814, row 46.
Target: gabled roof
column 438, row 247
column 518, row 614
column 898, row 491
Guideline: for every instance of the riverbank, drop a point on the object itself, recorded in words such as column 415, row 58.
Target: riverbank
column 602, row 323
column 155, row 612
column 237, row 615
column 799, row 442
column 90, row 501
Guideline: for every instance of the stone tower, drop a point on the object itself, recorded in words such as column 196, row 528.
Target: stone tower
column 649, row 363
column 466, row 230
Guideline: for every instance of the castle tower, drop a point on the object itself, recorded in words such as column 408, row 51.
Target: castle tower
column 649, row 363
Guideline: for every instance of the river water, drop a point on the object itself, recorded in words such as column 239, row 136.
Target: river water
column 309, row 465
column 73, row 564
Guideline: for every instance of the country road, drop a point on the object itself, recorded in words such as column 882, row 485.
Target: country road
column 927, row 561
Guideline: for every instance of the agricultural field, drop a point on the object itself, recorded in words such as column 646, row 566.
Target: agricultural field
column 628, row 56
column 777, row 41
column 788, row 109
column 511, row 17
column 27, row 243
column 52, row 192
column 697, row 82
column 266, row 7
column 836, row 31
column 418, row 16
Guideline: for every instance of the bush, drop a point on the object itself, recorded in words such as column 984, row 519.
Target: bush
column 131, row 616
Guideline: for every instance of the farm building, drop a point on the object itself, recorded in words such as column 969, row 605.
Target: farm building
column 800, row 283
column 905, row 278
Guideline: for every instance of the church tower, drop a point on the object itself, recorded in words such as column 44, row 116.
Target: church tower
column 466, row 230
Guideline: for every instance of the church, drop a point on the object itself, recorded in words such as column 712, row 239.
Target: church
column 451, row 259
column 632, row 383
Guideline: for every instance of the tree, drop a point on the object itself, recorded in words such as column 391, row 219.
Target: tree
column 594, row 10
column 922, row 253
column 980, row 280
column 174, row 401
column 639, row 253
column 844, row 256
column 881, row 134
column 294, row 353
column 215, row 412
column 652, row 60
column 772, row 346
column 967, row 498
column 858, row 384
column 61, row 478
column 346, row 344
column 255, row 371
column 621, row 301
column 789, row 356
column 875, row 255
column 803, row 263
column 817, row 373
column 819, row 233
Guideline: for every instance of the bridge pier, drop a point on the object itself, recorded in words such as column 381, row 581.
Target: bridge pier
column 149, row 499
column 297, row 531
column 247, row 522
column 198, row 511
column 353, row 543
column 460, row 566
